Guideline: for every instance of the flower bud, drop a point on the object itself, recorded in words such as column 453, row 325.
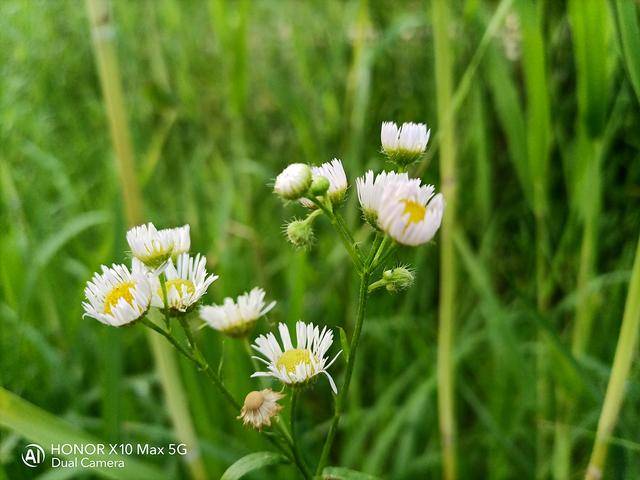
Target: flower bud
column 405, row 144
column 293, row 182
column 399, row 278
column 300, row 233
column 320, row 185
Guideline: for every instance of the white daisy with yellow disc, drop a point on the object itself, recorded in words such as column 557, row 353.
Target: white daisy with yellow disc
column 187, row 281
column 117, row 296
column 370, row 191
column 296, row 365
column 409, row 213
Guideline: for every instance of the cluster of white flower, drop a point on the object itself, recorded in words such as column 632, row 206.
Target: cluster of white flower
column 118, row 296
column 401, row 207
column 164, row 275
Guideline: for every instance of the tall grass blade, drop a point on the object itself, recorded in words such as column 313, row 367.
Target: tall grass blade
column 630, row 38
column 448, row 178
column 625, row 352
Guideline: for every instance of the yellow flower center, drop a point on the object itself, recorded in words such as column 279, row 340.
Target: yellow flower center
column 113, row 297
column 178, row 283
column 292, row 358
column 415, row 210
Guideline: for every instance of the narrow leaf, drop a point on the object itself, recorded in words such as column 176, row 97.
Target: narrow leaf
column 252, row 462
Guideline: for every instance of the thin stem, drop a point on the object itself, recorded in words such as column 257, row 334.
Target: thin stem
column 170, row 338
column 295, row 446
column 202, row 365
column 353, row 348
column 343, row 233
column 625, row 350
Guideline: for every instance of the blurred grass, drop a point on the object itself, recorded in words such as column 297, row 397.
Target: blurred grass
column 220, row 96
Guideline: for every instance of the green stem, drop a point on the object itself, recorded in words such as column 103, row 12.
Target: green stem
column 343, row 233
column 342, row 394
column 203, row 366
column 170, row 338
column 625, row 350
column 295, row 445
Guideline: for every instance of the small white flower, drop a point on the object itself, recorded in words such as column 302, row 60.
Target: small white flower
column 187, row 281
column 237, row 318
column 259, row 407
column 334, row 172
column 293, row 181
column 404, row 145
column 296, row 365
column 181, row 240
column 370, row 191
column 410, row 213
column 116, row 296
column 154, row 247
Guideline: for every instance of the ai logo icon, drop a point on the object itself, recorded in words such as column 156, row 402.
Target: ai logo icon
column 33, row 455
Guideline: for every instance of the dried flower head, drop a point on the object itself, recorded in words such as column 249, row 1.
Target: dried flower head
column 259, row 407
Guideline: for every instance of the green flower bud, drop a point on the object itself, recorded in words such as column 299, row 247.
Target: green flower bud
column 300, row 233
column 398, row 279
column 320, row 185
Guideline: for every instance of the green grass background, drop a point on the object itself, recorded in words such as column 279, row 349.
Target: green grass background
column 221, row 95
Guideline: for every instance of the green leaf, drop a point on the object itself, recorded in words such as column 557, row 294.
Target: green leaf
column 43, row 428
column 630, row 38
column 251, row 462
column 340, row 473
column 345, row 343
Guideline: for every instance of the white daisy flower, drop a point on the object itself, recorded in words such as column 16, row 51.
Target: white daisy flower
column 154, row 247
column 410, row 213
column 237, row 318
column 151, row 246
column 404, row 145
column 300, row 364
column 293, row 181
column 370, row 191
column 334, row 172
column 116, row 296
column 187, row 281
column 181, row 240
column 259, row 407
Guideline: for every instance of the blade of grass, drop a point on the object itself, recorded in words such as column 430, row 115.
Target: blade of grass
column 625, row 352
column 445, row 366
column 630, row 39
